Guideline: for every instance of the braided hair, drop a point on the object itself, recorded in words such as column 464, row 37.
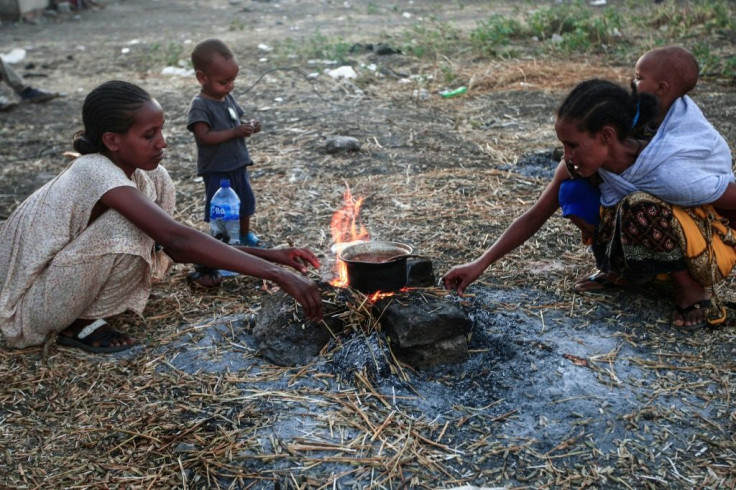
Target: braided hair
column 110, row 108
column 595, row 103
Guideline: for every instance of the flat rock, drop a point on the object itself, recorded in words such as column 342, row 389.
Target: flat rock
column 286, row 338
column 421, row 319
column 282, row 338
column 453, row 350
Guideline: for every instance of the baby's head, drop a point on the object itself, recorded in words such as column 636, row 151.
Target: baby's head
column 668, row 73
column 216, row 68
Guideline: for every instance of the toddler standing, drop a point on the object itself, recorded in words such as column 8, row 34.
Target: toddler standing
column 215, row 120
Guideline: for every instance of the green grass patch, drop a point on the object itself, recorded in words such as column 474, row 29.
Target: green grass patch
column 166, row 54
column 685, row 19
column 316, row 46
column 430, row 40
column 326, row 48
column 576, row 27
column 493, row 36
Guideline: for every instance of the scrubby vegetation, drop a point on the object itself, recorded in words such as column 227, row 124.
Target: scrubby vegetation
column 708, row 28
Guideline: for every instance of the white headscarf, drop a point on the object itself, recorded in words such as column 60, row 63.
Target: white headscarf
column 687, row 163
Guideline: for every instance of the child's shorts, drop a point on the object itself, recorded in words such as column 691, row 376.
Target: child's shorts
column 240, row 183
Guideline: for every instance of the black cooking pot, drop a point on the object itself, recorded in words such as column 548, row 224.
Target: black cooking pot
column 376, row 266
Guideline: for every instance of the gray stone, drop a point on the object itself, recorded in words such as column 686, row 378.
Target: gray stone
column 286, row 338
column 421, row 319
column 336, row 144
column 282, row 338
column 422, row 326
column 446, row 351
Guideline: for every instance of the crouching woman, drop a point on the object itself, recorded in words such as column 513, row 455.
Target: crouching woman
column 656, row 210
column 82, row 248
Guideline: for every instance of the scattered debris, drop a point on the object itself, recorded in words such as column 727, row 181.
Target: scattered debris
column 178, row 71
column 342, row 144
column 454, row 92
column 15, row 55
column 380, row 49
column 346, row 72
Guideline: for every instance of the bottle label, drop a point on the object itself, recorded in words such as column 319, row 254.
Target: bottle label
column 224, row 212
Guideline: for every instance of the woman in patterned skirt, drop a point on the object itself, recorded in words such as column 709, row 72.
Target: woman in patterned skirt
column 655, row 214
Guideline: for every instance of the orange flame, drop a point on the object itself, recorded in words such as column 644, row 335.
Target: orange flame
column 346, row 230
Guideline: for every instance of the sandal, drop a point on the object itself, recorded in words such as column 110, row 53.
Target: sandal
column 252, row 240
column 95, row 338
column 599, row 281
column 713, row 316
column 204, row 277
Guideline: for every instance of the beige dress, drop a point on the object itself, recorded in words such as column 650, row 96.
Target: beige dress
column 54, row 268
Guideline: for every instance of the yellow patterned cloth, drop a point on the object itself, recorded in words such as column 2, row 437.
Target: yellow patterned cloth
column 643, row 236
column 708, row 242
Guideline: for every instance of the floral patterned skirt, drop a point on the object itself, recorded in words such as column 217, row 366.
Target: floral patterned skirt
column 643, row 236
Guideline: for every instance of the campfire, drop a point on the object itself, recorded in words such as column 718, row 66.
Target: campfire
column 376, row 268
column 378, row 286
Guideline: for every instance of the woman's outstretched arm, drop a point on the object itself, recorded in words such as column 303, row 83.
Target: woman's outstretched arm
column 185, row 244
column 460, row 277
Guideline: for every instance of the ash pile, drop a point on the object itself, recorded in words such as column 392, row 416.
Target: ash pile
column 343, row 404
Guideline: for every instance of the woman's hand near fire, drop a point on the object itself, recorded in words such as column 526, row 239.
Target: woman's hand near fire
column 461, row 276
column 305, row 291
column 297, row 258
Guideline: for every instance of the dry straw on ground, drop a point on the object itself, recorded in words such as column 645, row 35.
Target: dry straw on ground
column 440, row 174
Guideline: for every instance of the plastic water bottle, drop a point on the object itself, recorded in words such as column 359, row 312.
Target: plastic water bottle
column 225, row 217
column 225, row 214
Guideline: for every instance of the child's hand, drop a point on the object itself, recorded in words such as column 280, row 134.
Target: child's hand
column 246, row 129
column 256, row 125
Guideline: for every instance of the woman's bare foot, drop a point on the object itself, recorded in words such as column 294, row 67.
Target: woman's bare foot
column 599, row 281
column 95, row 336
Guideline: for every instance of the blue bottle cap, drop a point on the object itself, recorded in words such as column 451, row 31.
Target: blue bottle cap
column 224, row 182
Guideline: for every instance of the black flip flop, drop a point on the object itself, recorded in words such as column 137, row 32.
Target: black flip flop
column 702, row 304
column 201, row 271
column 91, row 334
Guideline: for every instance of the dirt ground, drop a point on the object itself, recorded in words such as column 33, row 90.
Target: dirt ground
column 561, row 390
